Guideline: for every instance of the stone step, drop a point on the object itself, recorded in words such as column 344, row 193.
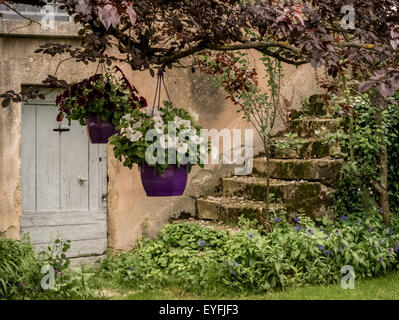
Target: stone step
column 313, row 127
column 313, row 198
column 254, row 188
column 229, row 209
column 325, row 171
column 309, row 149
column 314, row 106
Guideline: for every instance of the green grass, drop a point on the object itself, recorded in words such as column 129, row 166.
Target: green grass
column 384, row 288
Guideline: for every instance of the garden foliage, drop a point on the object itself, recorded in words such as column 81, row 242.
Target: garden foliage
column 21, row 274
column 204, row 260
column 356, row 192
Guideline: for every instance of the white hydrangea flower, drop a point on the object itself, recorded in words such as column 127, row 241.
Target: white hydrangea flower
column 177, row 121
column 202, row 149
column 193, row 114
column 136, row 125
column 197, row 139
column 149, row 112
column 172, row 141
column 158, row 119
column 158, row 113
column 182, row 147
column 127, row 117
column 128, row 132
column 163, row 141
column 159, row 127
column 135, row 136
column 186, row 123
column 167, row 141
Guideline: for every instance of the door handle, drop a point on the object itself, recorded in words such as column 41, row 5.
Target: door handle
column 82, row 180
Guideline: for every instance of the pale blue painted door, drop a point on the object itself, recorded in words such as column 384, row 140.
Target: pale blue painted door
column 64, row 182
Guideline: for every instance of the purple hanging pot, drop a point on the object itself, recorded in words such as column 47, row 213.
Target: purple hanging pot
column 172, row 182
column 98, row 130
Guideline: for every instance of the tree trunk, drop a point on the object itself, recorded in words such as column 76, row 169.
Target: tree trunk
column 267, row 153
column 383, row 200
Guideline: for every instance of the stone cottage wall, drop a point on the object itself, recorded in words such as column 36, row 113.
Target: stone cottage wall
column 130, row 212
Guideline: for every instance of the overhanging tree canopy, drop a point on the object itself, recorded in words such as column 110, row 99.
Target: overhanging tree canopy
column 155, row 33
column 151, row 33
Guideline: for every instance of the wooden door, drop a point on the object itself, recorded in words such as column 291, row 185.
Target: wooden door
column 64, row 182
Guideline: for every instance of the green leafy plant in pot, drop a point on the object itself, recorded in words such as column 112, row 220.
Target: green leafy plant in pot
column 99, row 103
column 165, row 143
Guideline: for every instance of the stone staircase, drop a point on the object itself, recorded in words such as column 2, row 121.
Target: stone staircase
column 300, row 180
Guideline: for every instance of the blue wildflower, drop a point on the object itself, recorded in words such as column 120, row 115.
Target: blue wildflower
column 250, row 235
column 277, row 219
column 277, row 256
column 235, row 264
column 380, row 259
column 358, row 222
column 336, row 231
column 201, row 243
column 232, row 272
column 131, row 268
column 327, row 252
column 320, row 247
column 298, row 228
column 370, row 228
column 310, row 231
column 390, row 231
column 342, row 247
column 297, row 219
column 390, row 251
column 344, row 218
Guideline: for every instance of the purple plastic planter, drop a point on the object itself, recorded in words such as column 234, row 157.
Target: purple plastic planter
column 170, row 183
column 98, row 130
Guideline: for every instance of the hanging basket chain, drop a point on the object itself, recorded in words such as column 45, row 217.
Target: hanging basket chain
column 160, row 82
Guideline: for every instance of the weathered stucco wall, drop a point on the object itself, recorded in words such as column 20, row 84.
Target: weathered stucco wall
column 19, row 65
column 130, row 212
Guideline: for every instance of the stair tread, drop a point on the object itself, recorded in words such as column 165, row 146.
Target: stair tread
column 324, row 170
column 262, row 180
column 321, row 160
column 317, row 119
column 273, row 182
column 238, row 202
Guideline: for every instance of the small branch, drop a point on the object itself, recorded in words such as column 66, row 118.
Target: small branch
column 21, row 15
column 377, row 185
column 182, row 54
column 15, row 29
